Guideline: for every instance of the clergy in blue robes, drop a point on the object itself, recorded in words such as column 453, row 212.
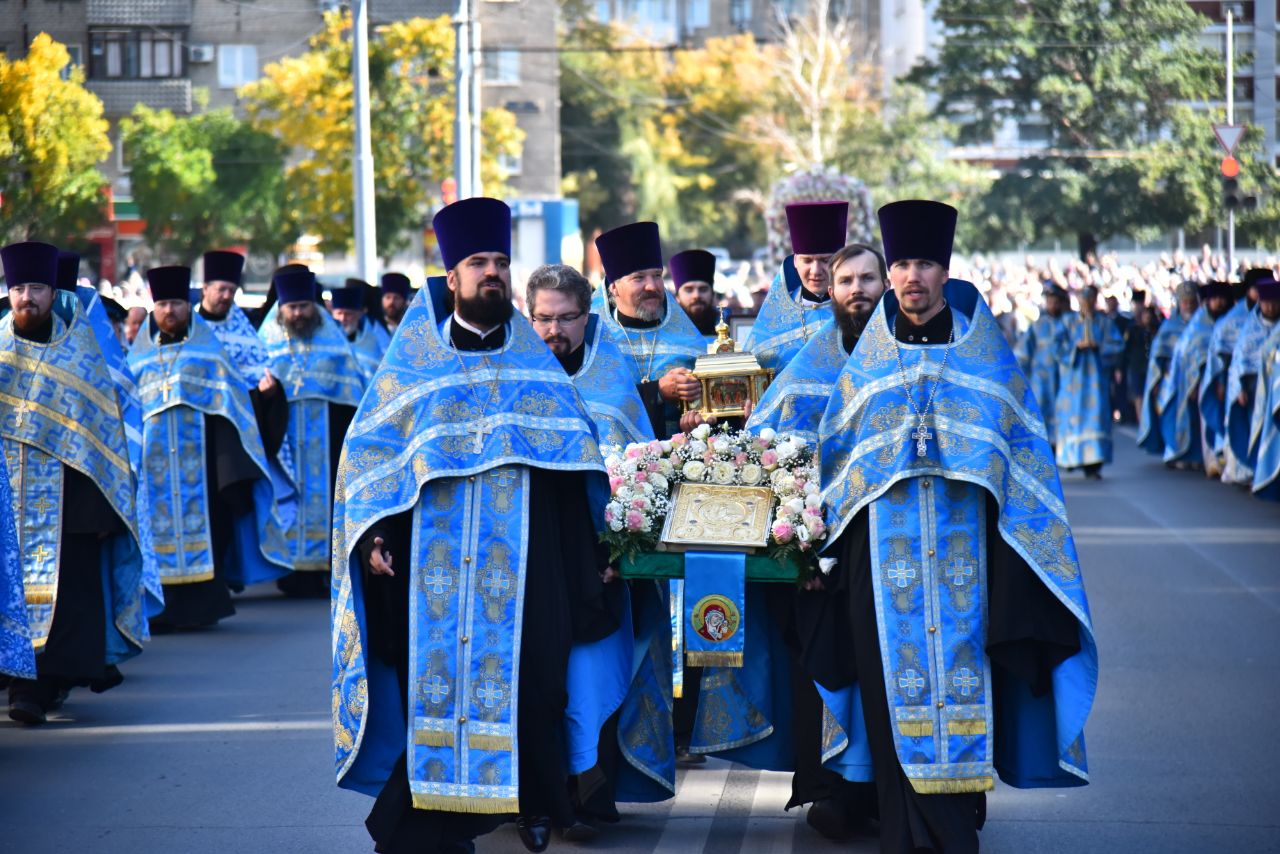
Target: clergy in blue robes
column 1179, row 400
column 1088, row 347
column 1039, row 350
column 1242, row 380
column 643, row 319
column 466, row 563
column 1264, row 431
column 323, row 383
column 223, row 276
column 1213, row 389
column 73, row 490
column 397, row 293
column 693, row 272
column 959, row 640
column 795, row 306
column 17, row 658
column 206, row 471
column 1150, row 432
column 367, row 337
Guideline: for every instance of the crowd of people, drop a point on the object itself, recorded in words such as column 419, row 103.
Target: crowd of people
column 434, row 462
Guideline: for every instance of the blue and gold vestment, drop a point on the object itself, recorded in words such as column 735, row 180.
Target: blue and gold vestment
column 927, row 529
column 240, row 340
column 1213, row 409
column 315, row 373
column 608, row 389
column 1179, row 395
column 180, row 384
column 1082, row 411
column 1245, row 362
column 798, row 395
column 1150, row 433
column 62, row 409
column 369, row 345
column 673, row 343
column 786, row 321
column 451, row 436
column 1264, row 433
column 1038, row 352
column 17, row 658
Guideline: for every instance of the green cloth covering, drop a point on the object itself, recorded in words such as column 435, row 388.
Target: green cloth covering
column 671, row 565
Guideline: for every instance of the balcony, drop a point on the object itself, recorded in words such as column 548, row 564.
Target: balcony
column 120, row 96
column 154, row 13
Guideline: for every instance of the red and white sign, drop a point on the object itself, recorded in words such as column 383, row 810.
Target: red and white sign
column 1228, row 136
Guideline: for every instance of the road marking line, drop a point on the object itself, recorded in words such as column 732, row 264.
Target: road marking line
column 191, row 728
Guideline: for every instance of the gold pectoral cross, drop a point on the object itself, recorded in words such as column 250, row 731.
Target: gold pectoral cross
column 297, row 384
column 165, row 387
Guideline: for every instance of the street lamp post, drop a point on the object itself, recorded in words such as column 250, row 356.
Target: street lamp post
column 365, row 220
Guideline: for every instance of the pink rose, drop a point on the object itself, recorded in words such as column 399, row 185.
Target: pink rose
column 655, row 448
column 634, row 521
column 653, row 466
column 817, row 527
column 634, row 453
column 680, row 439
column 637, row 503
column 614, row 483
column 642, row 476
column 769, row 458
column 708, row 457
column 800, row 482
column 783, row 532
column 608, row 515
column 740, row 459
column 762, row 443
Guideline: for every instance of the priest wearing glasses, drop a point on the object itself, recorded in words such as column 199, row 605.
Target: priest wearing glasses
column 958, row 642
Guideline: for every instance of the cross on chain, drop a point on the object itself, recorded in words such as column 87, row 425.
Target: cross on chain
column 165, row 387
column 966, row 681
column 22, row 413
column 491, row 694
column 297, row 384
column 960, row 571
column 481, row 430
column 911, row 682
column 495, row 582
column 922, row 435
column 437, row 689
column 902, row 575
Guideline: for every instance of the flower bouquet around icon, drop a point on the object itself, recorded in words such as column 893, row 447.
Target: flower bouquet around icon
column 715, row 491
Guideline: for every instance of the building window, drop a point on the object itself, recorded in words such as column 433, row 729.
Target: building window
column 136, row 54
column 697, row 14
column 77, row 59
column 237, row 65
column 502, row 67
column 740, row 14
column 511, row 164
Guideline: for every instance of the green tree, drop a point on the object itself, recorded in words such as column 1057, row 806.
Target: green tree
column 52, row 136
column 206, row 181
column 306, row 102
column 1123, row 154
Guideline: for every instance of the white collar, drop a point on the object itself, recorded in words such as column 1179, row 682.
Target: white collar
column 455, row 318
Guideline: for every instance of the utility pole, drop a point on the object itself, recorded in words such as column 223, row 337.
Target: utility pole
column 1231, row 119
column 462, row 99
column 477, row 78
column 365, row 220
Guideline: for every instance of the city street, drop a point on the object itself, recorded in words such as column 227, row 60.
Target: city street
column 220, row 741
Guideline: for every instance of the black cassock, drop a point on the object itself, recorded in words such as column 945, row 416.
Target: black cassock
column 1029, row 632
column 565, row 602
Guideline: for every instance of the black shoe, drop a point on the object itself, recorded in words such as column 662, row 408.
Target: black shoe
column 580, row 831
column 828, row 818
column 684, row 757
column 26, row 712
column 535, row 832
column 59, row 699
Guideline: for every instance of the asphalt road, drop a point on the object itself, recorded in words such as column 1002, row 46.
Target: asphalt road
column 219, row 741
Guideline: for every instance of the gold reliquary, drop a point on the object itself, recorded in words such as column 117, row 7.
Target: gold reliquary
column 729, row 378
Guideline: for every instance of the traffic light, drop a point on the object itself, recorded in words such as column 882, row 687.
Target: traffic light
column 1231, row 196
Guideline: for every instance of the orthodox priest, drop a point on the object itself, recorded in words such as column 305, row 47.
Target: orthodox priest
column 795, row 306
column 647, row 324
column 1242, row 379
column 396, row 296
column 950, row 537
column 1179, row 399
column 1150, row 431
column 1213, row 389
column 1039, row 351
column 466, row 563
column 323, row 383
column 73, row 490
column 1264, row 434
column 367, row 337
column 798, row 395
column 693, row 272
column 1088, row 346
column 223, row 275
column 206, row 471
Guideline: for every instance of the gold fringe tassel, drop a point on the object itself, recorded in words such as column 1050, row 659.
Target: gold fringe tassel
column 454, row 803
column 186, row 579
column 481, row 741
column 433, row 738
column 705, row 658
column 915, row 729
column 958, row 786
column 970, row 727
column 41, row 594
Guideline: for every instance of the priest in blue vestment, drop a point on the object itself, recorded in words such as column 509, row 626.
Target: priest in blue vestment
column 957, row 644
column 223, row 275
column 795, row 307
column 1242, row 378
column 367, row 337
column 73, row 490
column 1088, row 347
column 323, row 383
column 1179, row 399
column 1213, row 389
column 1264, row 431
column 467, row 564
column 642, row 318
column 1039, row 351
column 693, row 272
column 1150, row 432
column 397, row 293
column 206, row 469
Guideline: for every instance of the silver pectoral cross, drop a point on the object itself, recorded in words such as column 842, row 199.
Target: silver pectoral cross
column 22, row 413
column 481, row 430
column 922, row 435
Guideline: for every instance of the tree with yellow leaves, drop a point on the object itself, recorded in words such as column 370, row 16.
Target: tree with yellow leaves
column 52, row 136
column 306, row 102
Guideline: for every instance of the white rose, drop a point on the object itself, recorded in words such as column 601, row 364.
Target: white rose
column 787, row 450
column 776, row 477
column 628, row 467
column 720, row 444
column 666, row 446
column 697, row 447
column 614, row 509
column 665, row 468
column 659, row 482
column 802, row 534
column 751, row 474
column 796, row 506
column 811, row 488
column 702, row 431
column 768, row 434
column 811, row 499
column 612, row 461
column 722, row 472
column 647, row 488
column 693, row 470
column 615, row 525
